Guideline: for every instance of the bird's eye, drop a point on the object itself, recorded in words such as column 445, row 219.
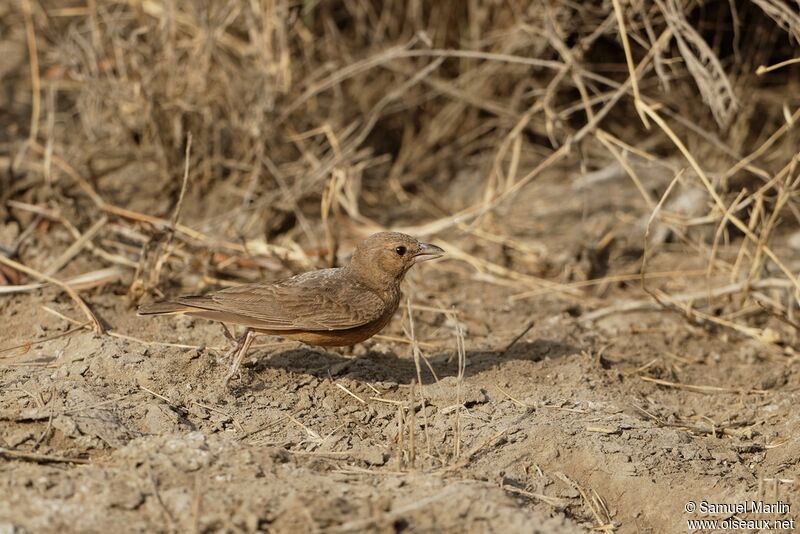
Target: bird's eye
column 400, row 251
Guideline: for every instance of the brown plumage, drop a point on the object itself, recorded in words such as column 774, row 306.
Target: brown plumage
column 330, row 307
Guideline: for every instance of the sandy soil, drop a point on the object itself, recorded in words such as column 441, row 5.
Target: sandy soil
column 564, row 430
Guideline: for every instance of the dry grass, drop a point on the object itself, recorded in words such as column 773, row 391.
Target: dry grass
column 314, row 123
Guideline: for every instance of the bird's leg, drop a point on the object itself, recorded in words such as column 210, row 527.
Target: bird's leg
column 243, row 346
column 227, row 333
column 237, row 343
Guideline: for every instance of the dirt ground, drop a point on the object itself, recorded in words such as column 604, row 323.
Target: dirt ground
column 562, row 430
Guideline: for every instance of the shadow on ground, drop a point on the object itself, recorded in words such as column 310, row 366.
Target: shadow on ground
column 389, row 367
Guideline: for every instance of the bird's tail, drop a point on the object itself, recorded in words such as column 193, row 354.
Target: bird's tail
column 162, row 308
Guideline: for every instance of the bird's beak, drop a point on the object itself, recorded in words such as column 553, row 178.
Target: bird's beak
column 429, row 252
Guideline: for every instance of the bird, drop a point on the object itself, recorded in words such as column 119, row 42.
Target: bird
column 333, row 307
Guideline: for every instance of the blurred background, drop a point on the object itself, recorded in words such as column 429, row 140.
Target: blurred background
column 545, row 138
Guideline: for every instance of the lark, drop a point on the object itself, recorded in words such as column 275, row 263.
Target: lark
column 329, row 308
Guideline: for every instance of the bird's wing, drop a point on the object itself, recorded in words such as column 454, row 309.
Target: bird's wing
column 322, row 300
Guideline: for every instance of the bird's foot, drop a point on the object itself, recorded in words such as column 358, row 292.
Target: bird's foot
column 230, row 374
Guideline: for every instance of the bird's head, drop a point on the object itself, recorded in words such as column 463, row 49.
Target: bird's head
column 384, row 258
